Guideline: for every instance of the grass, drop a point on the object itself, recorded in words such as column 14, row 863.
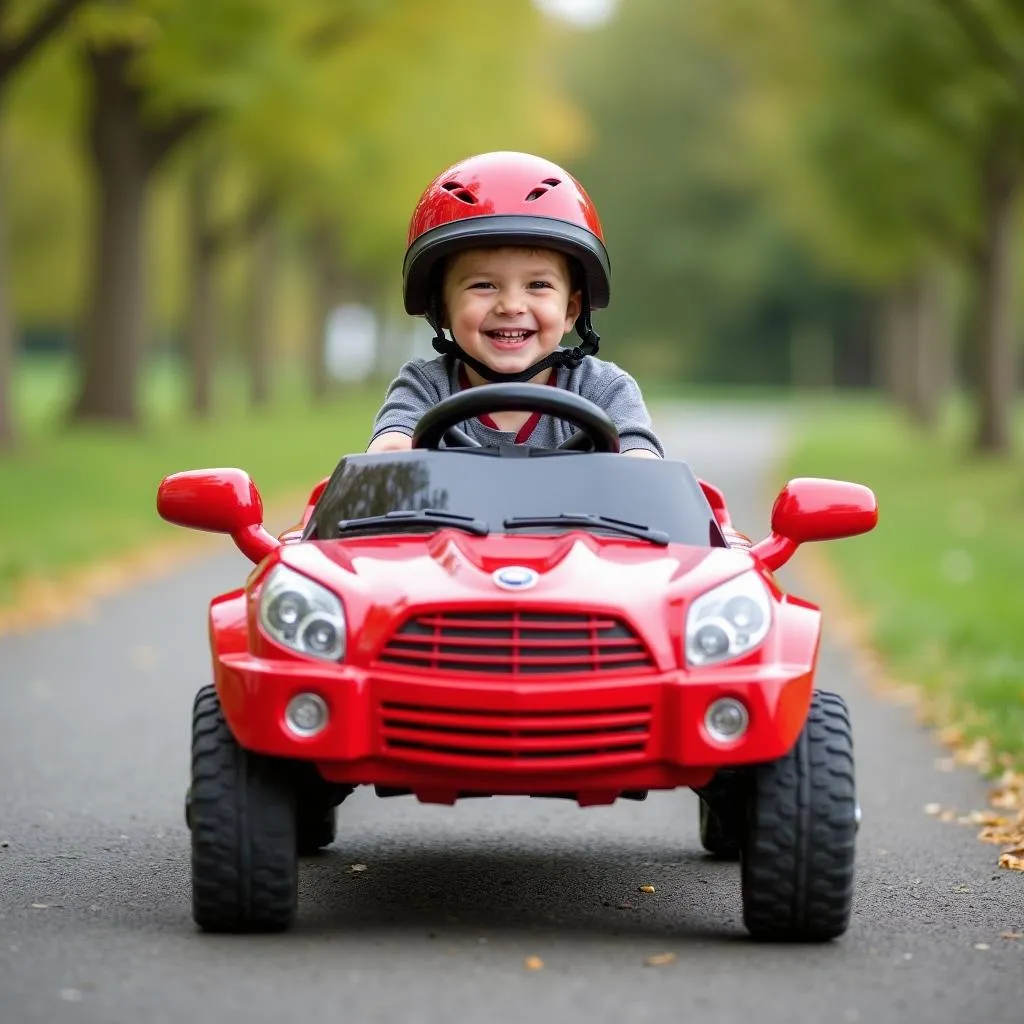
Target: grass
column 942, row 575
column 75, row 497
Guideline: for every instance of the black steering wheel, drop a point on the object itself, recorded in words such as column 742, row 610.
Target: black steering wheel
column 596, row 433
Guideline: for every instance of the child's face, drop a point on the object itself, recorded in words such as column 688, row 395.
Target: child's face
column 509, row 307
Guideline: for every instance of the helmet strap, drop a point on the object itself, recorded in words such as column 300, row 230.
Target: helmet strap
column 567, row 357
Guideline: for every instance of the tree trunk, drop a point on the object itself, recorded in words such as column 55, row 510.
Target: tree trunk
column 326, row 289
column 201, row 316
column 8, row 427
column 893, row 333
column 917, row 352
column 925, row 350
column 124, row 151
column 112, row 339
column 259, row 321
column 992, row 334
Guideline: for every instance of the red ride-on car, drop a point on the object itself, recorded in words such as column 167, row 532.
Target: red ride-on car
column 458, row 621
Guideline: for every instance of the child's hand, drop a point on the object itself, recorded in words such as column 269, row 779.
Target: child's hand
column 735, row 539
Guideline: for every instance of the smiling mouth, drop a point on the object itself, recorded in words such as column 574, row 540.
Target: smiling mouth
column 510, row 338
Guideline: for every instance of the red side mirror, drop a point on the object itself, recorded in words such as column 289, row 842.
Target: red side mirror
column 813, row 508
column 220, row 501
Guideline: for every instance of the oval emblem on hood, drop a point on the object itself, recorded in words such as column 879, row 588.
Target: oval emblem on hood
column 515, row 577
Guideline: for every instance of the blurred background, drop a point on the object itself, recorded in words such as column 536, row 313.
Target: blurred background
column 813, row 204
column 802, row 194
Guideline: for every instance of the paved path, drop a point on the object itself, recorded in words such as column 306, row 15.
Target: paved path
column 94, row 898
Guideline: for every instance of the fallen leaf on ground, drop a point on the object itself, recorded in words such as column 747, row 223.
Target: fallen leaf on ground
column 357, row 867
column 1011, row 935
column 533, row 963
column 932, row 809
column 646, row 888
column 40, row 906
column 660, row 959
column 1013, row 861
column 981, row 945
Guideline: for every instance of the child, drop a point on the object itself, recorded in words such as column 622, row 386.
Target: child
column 506, row 251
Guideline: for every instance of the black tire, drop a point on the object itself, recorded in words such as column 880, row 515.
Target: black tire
column 317, row 828
column 715, row 838
column 243, row 820
column 798, row 851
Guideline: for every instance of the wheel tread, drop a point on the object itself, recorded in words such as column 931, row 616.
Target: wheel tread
column 798, row 860
column 244, row 866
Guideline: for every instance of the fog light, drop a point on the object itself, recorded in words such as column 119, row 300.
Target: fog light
column 726, row 719
column 306, row 714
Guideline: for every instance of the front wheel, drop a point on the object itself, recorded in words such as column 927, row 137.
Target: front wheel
column 241, row 810
column 798, row 851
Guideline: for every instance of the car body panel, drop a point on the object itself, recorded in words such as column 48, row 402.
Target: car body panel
column 443, row 735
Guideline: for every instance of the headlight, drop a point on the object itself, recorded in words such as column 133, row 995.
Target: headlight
column 727, row 621
column 302, row 615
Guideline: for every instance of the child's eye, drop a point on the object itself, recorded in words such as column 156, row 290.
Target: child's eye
column 540, row 284
column 481, row 284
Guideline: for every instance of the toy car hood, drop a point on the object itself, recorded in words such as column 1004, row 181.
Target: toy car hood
column 449, row 566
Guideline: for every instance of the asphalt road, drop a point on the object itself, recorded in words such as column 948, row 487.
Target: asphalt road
column 95, row 919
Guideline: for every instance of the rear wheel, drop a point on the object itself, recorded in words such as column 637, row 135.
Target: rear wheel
column 241, row 811
column 798, row 851
column 715, row 838
column 317, row 827
column 723, row 812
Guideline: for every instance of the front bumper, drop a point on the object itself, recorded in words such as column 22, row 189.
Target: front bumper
column 592, row 737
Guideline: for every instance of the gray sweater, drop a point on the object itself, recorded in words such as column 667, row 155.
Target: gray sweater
column 422, row 383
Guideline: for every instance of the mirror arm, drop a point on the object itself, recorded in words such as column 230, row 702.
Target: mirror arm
column 775, row 550
column 255, row 542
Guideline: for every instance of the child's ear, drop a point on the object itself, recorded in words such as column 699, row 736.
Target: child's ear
column 573, row 309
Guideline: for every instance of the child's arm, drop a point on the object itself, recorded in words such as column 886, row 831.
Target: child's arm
column 393, row 441
column 621, row 398
column 417, row 388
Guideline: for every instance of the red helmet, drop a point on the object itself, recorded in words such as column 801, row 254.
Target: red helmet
column 499, row 199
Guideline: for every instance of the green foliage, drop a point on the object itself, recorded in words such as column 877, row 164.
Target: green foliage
column 868, row 121
column 90, row 494
column 708, row 283
column 940, row 575
column 333, row 111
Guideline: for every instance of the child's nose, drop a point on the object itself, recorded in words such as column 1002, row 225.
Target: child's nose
column 511, row 300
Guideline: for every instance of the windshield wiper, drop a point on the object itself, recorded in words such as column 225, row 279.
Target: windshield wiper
column 588, row 519
column 403, row 518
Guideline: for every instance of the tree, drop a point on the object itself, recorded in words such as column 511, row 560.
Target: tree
column 157, row 71
column 709, row 282
column 24, row 28
column 900, row 139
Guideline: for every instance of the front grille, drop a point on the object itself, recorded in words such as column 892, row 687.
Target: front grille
column 592, row 738
column 516, row 643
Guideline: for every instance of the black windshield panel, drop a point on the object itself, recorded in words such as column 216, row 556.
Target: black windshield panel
column 662, row 495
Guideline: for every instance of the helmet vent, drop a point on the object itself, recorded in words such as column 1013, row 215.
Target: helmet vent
column 539, row 191
column 460, row 192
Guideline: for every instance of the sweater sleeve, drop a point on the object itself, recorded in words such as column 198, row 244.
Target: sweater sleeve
column 624, row 403
column 417, row 388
